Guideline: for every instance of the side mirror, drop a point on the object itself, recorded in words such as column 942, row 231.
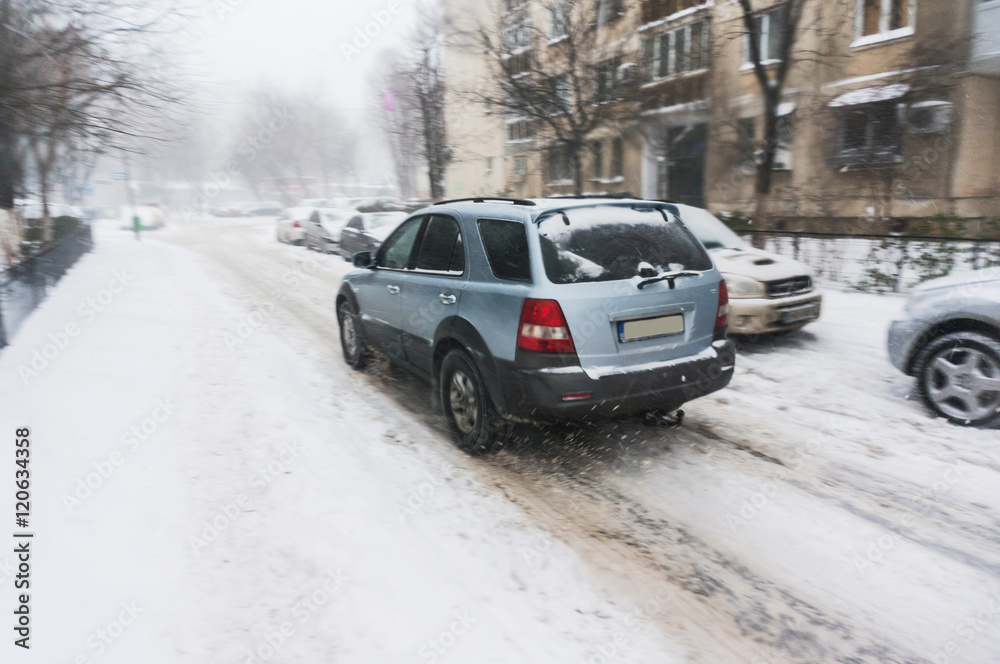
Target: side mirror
column 364, row 259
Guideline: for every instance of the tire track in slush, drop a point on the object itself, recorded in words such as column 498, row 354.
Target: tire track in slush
column 610, row 527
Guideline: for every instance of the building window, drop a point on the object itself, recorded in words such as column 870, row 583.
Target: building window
column 611, row 11
column 617, row 158
column 597, row 149
column 520, row 166
column 605, row 80
column 519, row 130
column 676, row 52
column 558, row 20
column 563, row 94
column 517, row 32
column 770, row 27
column 885, row 18
column 870, row 134
column 560, row 166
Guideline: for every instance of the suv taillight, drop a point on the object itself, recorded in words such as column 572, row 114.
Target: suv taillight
column 543, row 328
column 296, row 224
column 722, row 313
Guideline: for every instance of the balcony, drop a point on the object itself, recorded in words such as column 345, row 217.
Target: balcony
column 986, row 42
column 675, row 91
column 656, row 10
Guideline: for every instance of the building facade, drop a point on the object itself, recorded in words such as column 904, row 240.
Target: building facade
column 890, row 113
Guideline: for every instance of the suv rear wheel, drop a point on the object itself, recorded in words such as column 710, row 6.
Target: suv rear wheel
column 958, row 377
column 474, row 425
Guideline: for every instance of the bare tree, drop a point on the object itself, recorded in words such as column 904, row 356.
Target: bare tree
column 410, row 99
column 78, row 75
column 771, row 78
column 553, row 66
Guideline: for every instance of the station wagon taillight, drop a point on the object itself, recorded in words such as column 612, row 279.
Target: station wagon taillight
column 722, row 314
column 543, row 328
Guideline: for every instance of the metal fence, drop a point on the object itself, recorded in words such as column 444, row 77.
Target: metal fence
column 24, row 285
column 879, row 263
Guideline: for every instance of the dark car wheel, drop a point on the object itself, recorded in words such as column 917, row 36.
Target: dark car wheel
column 958, row 377
column 474, row 425
column 352, row 337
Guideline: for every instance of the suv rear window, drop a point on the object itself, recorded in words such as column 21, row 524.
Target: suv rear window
column 506, row 245
column 609, row 243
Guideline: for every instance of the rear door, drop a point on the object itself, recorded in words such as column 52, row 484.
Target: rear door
column 595, row 260
column 433, row 288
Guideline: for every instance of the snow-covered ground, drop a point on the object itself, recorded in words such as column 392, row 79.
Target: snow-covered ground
column 252, row 500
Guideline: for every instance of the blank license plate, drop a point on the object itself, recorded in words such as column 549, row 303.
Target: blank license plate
column 635, row 330
column 805, row 312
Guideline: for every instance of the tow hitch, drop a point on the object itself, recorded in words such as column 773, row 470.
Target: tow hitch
column 655, row 418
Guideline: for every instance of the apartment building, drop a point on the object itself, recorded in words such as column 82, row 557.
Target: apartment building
column 891, row 111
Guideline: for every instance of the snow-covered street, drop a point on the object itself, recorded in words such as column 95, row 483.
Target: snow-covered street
column 213, row 484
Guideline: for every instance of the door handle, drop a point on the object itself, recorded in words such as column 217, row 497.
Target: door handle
column 393, row 289
column 447, row 299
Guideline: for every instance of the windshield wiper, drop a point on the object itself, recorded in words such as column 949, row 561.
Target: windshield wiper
column 669, row 277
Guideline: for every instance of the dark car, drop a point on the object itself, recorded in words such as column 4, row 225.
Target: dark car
column 366, row 232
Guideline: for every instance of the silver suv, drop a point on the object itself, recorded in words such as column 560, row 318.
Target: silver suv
column 564, row 308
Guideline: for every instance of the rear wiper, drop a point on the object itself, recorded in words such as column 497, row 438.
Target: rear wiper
column 669, row 277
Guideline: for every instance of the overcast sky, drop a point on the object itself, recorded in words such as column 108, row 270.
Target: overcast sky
column 297, row 44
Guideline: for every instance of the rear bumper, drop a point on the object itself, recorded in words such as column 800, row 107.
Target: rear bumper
column 760, row 316
column 541, row 392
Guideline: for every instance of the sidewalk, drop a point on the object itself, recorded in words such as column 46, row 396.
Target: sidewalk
column 193, row 503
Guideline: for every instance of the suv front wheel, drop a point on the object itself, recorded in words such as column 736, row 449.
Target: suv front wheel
column 471, row 418
column 352, row 337
column 958, row 377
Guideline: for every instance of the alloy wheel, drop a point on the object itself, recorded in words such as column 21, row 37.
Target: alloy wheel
column 964, row 383
column 462, row 398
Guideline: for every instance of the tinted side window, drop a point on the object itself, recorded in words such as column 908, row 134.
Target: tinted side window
column 355, row 224
column 441, row 248
column 396, row 252
column 506, row 244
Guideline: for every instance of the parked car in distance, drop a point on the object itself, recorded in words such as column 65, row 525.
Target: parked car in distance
column 291, row 225
column 313, row 202
column 557, row 308
column 324, row 227
column 366, row 232
column 950, row 342
column 767, row 292
column 262, row 209
column 381, row 204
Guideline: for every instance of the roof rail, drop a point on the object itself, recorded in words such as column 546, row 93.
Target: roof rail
column 637, row 204
column 616, row 195
column 483, row 199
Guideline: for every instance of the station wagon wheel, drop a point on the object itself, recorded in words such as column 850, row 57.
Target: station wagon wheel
column 352, row 339
column 958, row 378
column 474, row 425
